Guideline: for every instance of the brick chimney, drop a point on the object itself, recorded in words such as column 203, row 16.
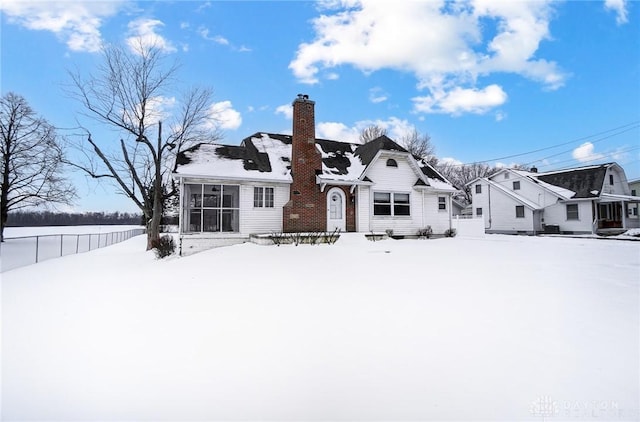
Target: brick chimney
column 305, row 210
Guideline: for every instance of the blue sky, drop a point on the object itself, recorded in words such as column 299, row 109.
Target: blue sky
column 488, row 81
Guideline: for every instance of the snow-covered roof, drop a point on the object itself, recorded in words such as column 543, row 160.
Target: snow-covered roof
column 267, row 156
column 259, row 157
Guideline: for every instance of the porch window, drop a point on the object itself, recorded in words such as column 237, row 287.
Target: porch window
column 478, row 188
column 519, row 211
column 262, row 197
column 392, row 204
column 211, row 208
column 516, row 185
column 442, row 203
column 572, row 211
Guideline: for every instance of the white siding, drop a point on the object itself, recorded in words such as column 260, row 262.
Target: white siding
column 363, row 209
column 434, row 217
column 528, row 189
column 620, row 185
column 557, row 215
column 261, row 220
column 401, row 180
column 481, row 200
column 503, row 214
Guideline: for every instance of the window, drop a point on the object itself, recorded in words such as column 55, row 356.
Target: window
column 392, row 163
column 611, row 179
column 478, row 188
column 442, row 203
column 478, row 212
column 394, row 204
column 516, row 185
column 506, row 175
column 211, row 208
column 519, row 211
column 262, row 197
column 633, row 192
column 572, row 212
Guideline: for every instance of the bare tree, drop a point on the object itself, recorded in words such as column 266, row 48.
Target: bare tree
column 420, row 146
column 32, row 160
column 371, row 132
column 461, row 174
column 128, row 93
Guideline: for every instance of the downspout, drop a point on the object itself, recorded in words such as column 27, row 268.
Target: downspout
column 180, row 214
column 450, row 212
column 422, row 191
column 489, row 195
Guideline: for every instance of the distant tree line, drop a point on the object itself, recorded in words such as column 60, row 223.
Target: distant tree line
column 48, row 218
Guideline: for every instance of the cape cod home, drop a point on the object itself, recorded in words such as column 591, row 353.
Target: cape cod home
column 298, row 183
column 584, row 200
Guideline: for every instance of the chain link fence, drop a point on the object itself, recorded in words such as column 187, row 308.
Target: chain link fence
column 26, row 250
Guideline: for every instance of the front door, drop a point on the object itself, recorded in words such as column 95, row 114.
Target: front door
column 336, row 210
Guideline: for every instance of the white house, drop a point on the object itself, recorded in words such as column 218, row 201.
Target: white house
column 592, row 199
column 298, row 183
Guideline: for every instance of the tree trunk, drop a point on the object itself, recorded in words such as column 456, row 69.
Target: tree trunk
column 153, row 227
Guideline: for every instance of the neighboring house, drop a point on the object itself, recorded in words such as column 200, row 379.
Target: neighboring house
column 281, row 183
column 592, row 199
column 633, row 208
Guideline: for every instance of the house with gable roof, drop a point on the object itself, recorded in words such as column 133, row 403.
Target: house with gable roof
column 299, row 183
column 584, row 200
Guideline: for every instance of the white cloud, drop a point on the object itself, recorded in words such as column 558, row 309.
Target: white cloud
column 585, row 153
column 286, row 110
column 461, row 100
column 396, row 129
column 337, row 131
column 218, row 39
column 377, row 95
column 450, row 161
column 142, row 34
column 226, row 116
column 620, row 8
column 76, row 23
column 445, row 45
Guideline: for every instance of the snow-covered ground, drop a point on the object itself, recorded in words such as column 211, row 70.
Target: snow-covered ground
column 27, row 245
column 495, row 328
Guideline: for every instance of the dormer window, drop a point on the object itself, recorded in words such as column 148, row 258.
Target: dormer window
column 392, row 163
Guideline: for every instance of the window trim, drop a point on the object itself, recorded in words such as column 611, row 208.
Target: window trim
column 392, row 204
column 263, row 201
column 442, row 203
column 200, row 208
column 577, row 212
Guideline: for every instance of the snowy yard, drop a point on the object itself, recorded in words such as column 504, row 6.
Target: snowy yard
column 495, row 328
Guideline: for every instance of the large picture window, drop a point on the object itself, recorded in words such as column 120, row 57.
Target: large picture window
column 393, row 204
column 211, row 208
